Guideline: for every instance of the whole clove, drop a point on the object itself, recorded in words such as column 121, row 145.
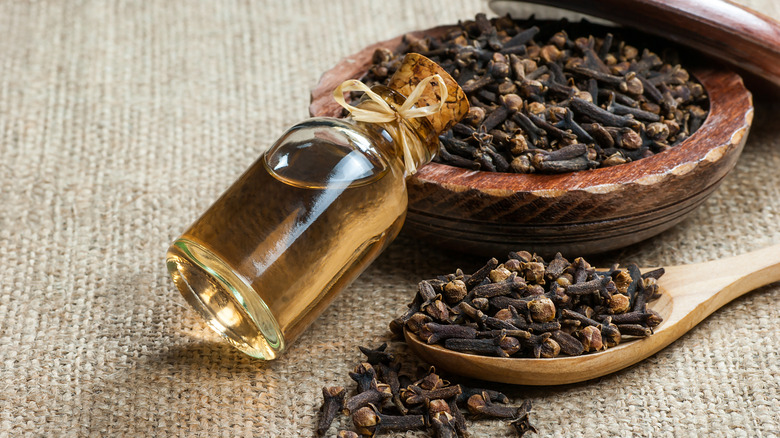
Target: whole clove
column 458, row 418
column 634, row 330
column 537, row 91
column 467, row 392
column 413, row 394
column 569, row 344
column 388, row 373
column 480, row 405
column 377, row 355
column 521, row 424
column 370, row 421
column 365, row 376
column 433, row 333
column 333, row 397
column 502, row 346
column 441, row 419
column 372, row 396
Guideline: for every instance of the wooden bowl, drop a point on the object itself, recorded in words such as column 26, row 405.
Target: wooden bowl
column 575, row 213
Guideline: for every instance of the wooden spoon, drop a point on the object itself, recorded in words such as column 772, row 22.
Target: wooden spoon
column 690, row 294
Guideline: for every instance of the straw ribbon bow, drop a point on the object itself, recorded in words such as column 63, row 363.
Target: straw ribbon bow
column 377, row 110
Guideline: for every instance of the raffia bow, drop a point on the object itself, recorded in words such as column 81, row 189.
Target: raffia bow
column 377, row 110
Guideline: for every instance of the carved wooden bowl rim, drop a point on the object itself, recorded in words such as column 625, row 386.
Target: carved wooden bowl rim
column 725, row 128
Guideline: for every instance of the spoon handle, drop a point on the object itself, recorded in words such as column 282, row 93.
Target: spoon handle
column 700, row 289
column 738, row 35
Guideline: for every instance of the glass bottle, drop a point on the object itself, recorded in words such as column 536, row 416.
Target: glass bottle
column 308, row 217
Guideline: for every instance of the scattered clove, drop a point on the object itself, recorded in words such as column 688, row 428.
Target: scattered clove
column 378, row 355
column 480, row 404
column 364, row 375
column 521, row 424
column 428, row 402
column 441, row 419
column 333, row 402
column 370, row 421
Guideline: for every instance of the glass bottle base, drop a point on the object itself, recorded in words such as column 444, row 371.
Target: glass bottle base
column 228, row 303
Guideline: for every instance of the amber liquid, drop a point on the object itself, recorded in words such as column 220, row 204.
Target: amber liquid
column 297, row 227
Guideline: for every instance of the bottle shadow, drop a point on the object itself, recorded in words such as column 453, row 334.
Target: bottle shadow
column 215, row 355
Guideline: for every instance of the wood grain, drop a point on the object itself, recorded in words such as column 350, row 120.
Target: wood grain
column 591, row 211
column 691, row 293
column 742, row 37
column 575, row 213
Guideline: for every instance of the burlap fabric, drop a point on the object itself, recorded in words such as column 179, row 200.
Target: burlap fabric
column 121, row 121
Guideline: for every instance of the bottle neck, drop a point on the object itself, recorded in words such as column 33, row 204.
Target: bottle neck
column 421, row 147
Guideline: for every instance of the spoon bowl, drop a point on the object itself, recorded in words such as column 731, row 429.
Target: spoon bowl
column 690, row 294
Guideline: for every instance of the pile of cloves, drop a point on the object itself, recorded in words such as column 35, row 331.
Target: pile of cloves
column 549, row 102
column 526, row 307
column 387, row 400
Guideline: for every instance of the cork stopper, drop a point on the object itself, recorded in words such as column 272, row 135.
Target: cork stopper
column 414, row 69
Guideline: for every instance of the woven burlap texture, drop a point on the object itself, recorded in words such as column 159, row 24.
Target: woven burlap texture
column 121, row 121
